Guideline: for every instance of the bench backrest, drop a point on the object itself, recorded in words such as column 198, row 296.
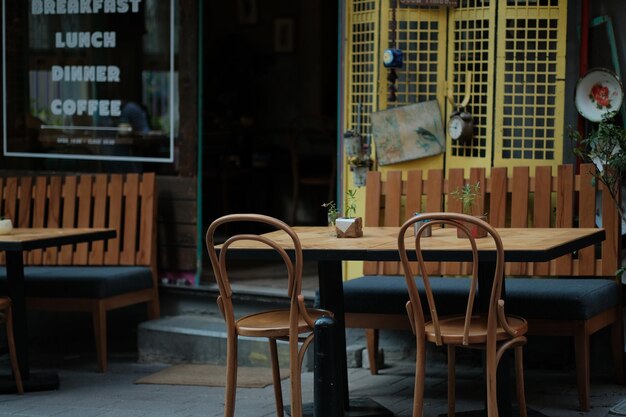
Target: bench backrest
column 124, row 202
column 519, row 200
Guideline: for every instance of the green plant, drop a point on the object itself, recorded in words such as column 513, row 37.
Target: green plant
column 606, row 149
column 467, row 195
column 350, row 203
column 331, row 209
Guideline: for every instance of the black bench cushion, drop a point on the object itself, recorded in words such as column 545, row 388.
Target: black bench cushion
column 387, row 294
column 560, row 298
column 536, row 298
column 82, row 281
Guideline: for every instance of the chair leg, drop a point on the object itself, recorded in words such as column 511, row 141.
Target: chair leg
column 154, row 310
column 12, row 354
column 278, row 393
column 99, row 319
column 420, row 374
column 231, row 375
column 617, row 347
column 519, row 380
column 451, row 380
column 371, row 337
column 491, row 377
column 581, row 351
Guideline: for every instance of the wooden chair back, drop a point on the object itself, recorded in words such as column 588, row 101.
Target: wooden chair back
column 218, row 257
column 462, row 222
column 126, row 203
column 510, row 198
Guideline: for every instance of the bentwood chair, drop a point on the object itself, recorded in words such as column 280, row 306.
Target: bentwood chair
column 294, row 323
column 491, row 330
column 6, row 316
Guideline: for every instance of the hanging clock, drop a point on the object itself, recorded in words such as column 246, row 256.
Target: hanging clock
column 461, row 127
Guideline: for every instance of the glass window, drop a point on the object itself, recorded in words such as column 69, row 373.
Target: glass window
column 96, row 80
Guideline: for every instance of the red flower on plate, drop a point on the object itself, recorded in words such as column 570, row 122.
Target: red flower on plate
column 600, row 95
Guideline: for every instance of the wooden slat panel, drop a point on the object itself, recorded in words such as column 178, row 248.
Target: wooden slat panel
column 147, row 232
column 84, row 194
column 96, row 255
column 25, row 195
column 393, row 194
column 55, row 190
column 373, row 193
column 24, row 201
column 612, row 225
column 131, row 207
column 497, row 198
column 373, row 198
column 39, row 213
column 519, row 211
column 542, row 209
column 477, row 175
column 434, row 203
column 413, row 193
column 586, row 216
column 116, row 197
column 455, row 181
column 10, row 199
column 564, row 212
column 69, row 216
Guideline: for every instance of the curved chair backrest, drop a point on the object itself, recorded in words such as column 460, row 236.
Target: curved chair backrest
column 462, row 222
column 218, row 255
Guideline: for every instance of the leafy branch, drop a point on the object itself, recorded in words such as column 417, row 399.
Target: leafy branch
column 467, row 195
column 606, row 149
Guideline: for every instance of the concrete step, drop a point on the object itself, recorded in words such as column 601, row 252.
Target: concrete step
column 202, row 339
column 194, row 338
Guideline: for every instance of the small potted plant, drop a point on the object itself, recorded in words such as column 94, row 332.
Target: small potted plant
column 6, row 225
column 468, row 195
column 349, row 226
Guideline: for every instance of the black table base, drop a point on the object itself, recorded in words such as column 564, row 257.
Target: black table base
column 359, row 407
column 37, row 381
column 483, row 413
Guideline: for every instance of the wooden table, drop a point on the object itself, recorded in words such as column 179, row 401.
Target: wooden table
column 380, row 244
column 14, row 245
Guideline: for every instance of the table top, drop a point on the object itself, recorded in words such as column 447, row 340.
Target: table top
column 380, row 244
column 36, row 238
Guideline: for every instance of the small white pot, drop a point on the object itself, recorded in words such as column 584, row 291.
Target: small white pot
column 6, row 226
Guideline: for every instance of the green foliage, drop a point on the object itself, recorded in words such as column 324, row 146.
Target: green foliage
column 605, row 147
column 331, row 208
column 350, row 211
column 350, row 203
column 467, row 195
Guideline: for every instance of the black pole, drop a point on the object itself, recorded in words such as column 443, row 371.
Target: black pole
column 325, row 389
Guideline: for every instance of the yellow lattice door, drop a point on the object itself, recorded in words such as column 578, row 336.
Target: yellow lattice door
column 512, row 50
column 530, row 83
column 362, row 57
column 471, row 54
column 419, row 34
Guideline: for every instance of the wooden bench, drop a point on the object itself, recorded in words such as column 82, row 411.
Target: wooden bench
column 88, row 277
column 577, row 295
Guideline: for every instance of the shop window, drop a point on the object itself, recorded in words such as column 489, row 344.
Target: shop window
column 94, row 81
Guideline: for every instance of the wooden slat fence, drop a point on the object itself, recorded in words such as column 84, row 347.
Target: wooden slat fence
column 511, row 198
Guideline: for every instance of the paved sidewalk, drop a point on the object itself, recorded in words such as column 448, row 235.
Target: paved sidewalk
column 85, row 393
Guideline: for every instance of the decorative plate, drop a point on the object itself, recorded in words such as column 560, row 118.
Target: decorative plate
column 597, row 93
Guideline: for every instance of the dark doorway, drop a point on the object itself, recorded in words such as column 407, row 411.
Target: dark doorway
column 266, row 65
